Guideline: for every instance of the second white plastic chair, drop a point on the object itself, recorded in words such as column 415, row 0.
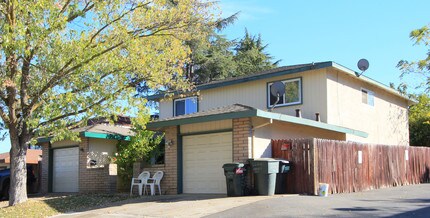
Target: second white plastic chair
column 155, row 181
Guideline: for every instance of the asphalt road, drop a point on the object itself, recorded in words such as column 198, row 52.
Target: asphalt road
column 405, row 201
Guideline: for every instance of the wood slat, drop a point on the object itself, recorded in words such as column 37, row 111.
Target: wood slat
column 317, row 161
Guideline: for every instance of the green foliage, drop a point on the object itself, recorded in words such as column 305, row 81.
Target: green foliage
column 250, row 55
column 419, row 121
column 420, row 68
column 60, row 59
column 292, row 92
column 214, row 60
column 216, row 57
column 140, row 147
column 63, row 62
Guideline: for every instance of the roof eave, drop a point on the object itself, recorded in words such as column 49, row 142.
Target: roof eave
column 373, row 82
column 190, row 120
column 310, row 123
column 247, row 79
column 94, row 135
column 157, row 125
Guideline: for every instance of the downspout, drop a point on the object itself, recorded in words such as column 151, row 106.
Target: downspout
column 252, row 134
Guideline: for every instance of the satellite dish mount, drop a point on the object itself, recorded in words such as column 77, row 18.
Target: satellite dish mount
column 363, row 65
column 277, row 89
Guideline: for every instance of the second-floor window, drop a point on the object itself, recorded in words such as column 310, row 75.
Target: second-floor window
column 367, row 97
column 184, row 106
column 292, row 96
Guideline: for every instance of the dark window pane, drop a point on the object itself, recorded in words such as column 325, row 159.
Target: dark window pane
column 179, row 107
column 364, row 96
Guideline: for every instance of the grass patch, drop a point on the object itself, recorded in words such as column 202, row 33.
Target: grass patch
column 44, row 207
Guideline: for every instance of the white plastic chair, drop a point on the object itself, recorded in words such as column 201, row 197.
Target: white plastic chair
column 156, row 179
column 140, row 181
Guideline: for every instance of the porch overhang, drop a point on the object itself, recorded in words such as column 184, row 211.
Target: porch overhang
column 242, row 111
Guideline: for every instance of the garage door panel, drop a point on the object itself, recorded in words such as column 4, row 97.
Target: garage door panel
column 203, row 157
column 66, row 169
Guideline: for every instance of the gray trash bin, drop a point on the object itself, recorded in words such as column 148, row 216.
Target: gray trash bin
column 265, row 170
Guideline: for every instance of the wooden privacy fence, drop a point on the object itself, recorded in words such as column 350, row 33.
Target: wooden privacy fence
column 350, row 166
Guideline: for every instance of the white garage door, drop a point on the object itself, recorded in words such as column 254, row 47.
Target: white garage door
column 66, row 170
column 203, row 157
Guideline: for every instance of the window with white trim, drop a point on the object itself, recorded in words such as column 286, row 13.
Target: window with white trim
column 367, row 97
column 292, row 96
column 184, row 106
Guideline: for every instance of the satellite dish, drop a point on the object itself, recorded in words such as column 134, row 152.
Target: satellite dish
column 363, row 65
column 277, row 89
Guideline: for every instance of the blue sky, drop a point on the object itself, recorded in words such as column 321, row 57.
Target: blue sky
column 343, row 31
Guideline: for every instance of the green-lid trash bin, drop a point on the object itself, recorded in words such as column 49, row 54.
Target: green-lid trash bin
column 265, row 170
column 235, row 179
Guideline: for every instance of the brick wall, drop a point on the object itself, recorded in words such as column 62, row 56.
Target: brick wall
column 44, row 168
column 169, row 182
column 94, row 179
column 137, row 169
column 242, row 139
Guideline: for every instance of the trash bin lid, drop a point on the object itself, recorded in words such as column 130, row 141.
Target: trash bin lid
column 265, row 159
column 233, row 165
column 282, row 160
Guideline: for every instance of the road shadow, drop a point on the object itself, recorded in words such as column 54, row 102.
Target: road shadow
column 422, row 212
column 355, row 209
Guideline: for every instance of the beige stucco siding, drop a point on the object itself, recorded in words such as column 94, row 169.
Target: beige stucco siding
column 283, row 130
column 386, row 121
column 165, row 108
column 207, row 126
column 64, row 143
column 101, row 150
column 254, row 94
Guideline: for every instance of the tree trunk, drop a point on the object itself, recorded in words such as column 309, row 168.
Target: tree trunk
column 18, row 170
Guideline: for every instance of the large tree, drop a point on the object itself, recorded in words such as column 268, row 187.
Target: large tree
column 419, row 121
column 419, row 114
column 216, row 57
column 420, row 68
column 251, row 56
column 64, row 61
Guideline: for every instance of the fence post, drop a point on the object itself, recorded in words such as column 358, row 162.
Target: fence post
column 314, row 154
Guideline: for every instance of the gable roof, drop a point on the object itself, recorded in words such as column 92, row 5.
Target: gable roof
column 32, row 156
column 241, row 111
column 280, row 71
column 101, row 131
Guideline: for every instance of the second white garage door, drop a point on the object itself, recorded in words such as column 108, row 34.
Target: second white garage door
column 66, row 170
column 203, row 157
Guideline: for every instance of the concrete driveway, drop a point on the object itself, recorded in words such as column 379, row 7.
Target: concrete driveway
column 403, row 201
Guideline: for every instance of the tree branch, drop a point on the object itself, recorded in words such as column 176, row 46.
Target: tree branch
column 115, row 20
column 60, row 75
column 87, row 7
column 82, row 110
column 25, row 71
column 66, row 4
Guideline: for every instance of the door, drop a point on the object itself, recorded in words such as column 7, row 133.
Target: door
column 203, row 158
column 66, row 170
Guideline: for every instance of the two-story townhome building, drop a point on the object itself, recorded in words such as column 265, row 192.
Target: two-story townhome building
column 235, row 119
